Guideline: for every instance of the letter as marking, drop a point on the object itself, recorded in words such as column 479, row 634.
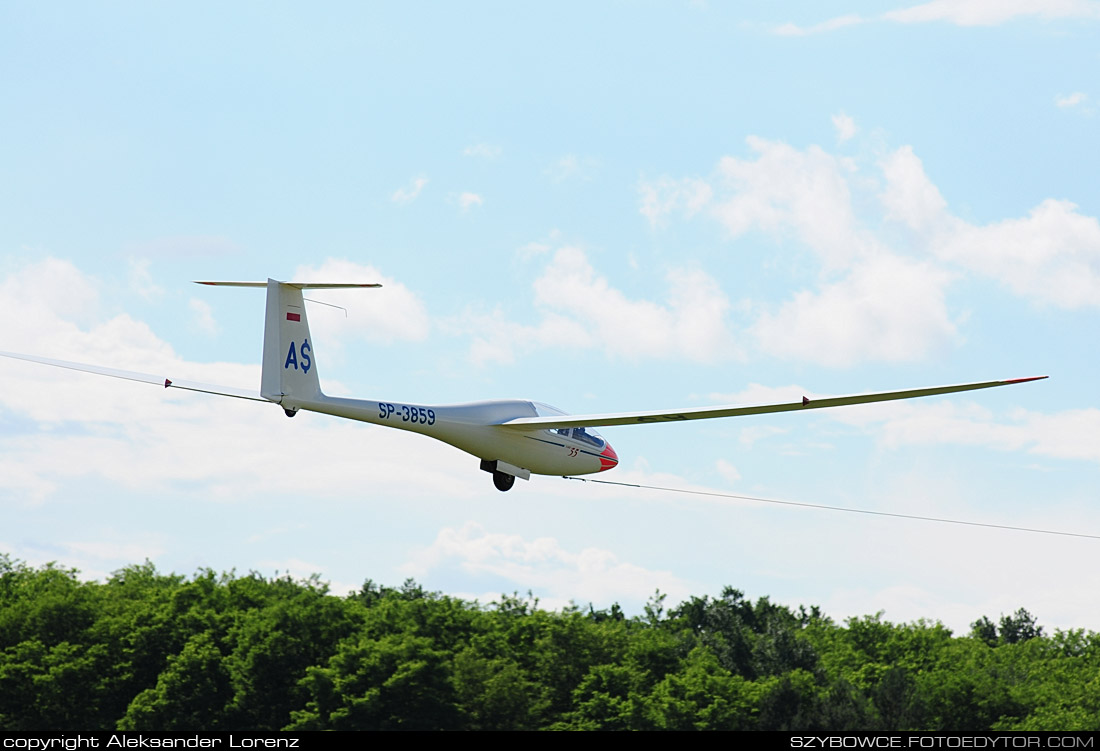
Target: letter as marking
column 305, row 350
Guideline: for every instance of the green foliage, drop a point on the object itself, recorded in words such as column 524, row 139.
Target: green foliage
column 223, row 652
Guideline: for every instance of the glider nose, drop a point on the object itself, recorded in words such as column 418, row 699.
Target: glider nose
column 608, row 459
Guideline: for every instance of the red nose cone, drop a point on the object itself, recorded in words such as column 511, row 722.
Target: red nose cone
column 608, row 459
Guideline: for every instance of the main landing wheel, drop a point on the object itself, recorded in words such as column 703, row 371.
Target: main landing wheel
column 503, row 480
column 290, row 412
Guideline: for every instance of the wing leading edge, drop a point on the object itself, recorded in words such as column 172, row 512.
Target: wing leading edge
column 704, row 413
column 130, row 375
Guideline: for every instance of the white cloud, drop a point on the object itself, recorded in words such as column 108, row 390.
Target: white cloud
column 887, row 309
column 48, row 290
column 482, row 150
column 202, row 316
column 664, row 195
column 532, row 249
column 570, row 166
column 840, row 22
column 135, row 435
column 409, row 194
column 787, row 191
column 543, row 565
column 873, row 301
column 1070, row 434
column 909, row 196
column 580, row 310
column 392, row 313
column 845, row 127
column 1052, row 255
column 141, row 281
column 1071, row 100
column 728, row 472
column 116, row 552
column 993, row 12
column 960, row 13
column 467, row 200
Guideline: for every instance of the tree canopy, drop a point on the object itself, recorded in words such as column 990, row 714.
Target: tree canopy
column 146, row 650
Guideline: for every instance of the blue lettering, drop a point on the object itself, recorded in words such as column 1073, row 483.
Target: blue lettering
column 291, row 358
column 305, row 350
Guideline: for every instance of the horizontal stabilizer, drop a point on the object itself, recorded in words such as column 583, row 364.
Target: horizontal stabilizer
column 704, row 413
column 298, row 285
column 142, row 377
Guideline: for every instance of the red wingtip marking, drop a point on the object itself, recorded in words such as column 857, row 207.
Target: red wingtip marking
column 167, row 383
column 1025, row 380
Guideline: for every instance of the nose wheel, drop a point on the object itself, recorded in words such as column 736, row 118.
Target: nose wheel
column 503, row 481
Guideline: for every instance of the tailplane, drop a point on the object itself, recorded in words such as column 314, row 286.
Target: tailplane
column 289, row 374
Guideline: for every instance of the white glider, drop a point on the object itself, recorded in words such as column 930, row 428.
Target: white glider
column 512, row 437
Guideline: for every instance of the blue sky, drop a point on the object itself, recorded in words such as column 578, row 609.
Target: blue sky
column 606, row 207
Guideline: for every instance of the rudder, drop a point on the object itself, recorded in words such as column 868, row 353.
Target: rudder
column 289, row 365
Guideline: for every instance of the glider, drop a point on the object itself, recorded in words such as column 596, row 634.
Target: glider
column 512, row 437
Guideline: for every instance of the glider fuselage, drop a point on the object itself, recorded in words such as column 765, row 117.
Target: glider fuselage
column 477, row 429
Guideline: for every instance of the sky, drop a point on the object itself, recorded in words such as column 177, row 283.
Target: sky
column 607, row 207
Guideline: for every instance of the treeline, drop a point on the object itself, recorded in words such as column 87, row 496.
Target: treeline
column 146, row 650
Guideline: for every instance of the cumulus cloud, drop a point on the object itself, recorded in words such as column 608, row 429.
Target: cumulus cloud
column 882, row 291
column 572, row 166
column 728, row 472
column 1069, row 434
column 839, row 22
column 544, row 565
column 959, row 13
column 845, row 127
column 392, row 313
column 785, row 191
column 468, row 200
column 909, row 196
column 993, row 12
column 663, row 196
column 887, row 309
column 1052, row 255
column 86, row 427
column 1070, row 100
column 141, row 280
column 581, row 309
column 410, row 192
column 202, row 316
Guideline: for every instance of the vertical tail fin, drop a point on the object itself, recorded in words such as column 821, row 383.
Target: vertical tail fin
column 289, row 366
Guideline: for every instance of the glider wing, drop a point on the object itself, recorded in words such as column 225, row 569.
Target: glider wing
column 704, row 413
column 129, row 375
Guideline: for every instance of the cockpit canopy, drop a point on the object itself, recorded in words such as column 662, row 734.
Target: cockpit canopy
column 584, row 435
